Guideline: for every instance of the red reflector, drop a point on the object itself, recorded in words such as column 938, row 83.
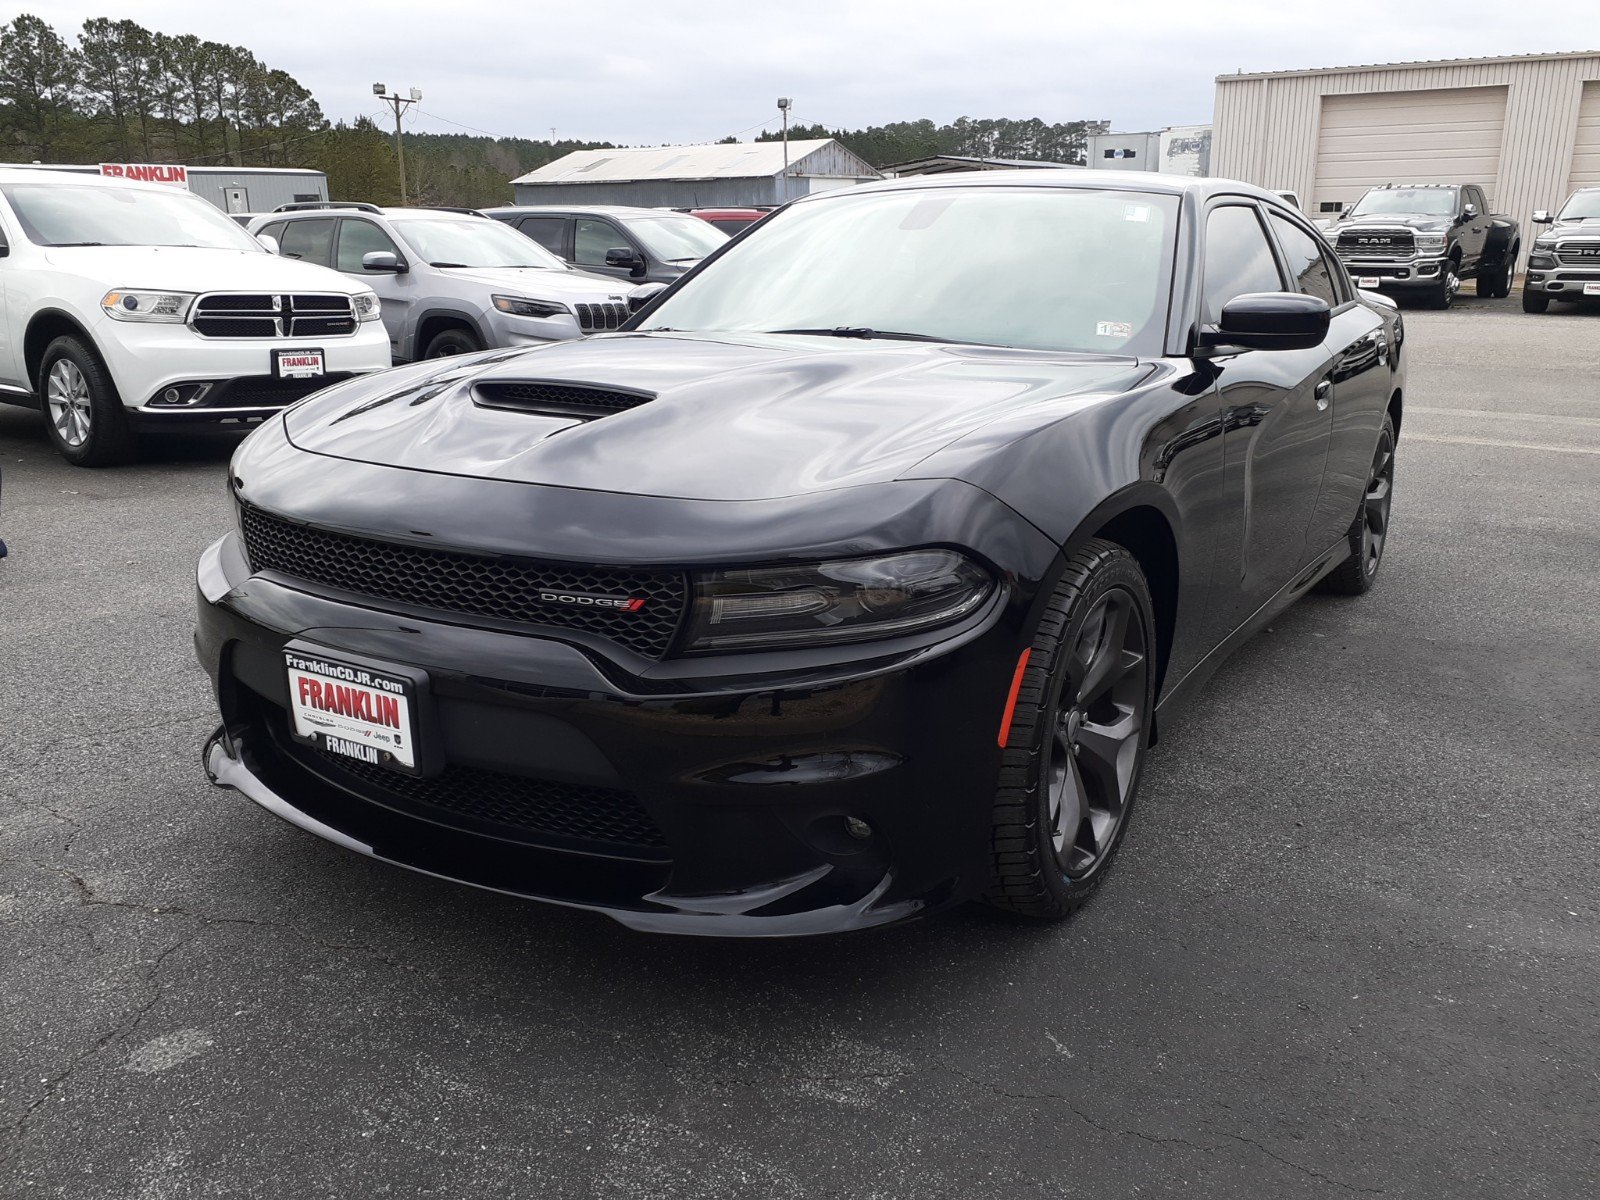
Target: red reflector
column 1011, row 698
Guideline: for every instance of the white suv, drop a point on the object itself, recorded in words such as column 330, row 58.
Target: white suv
column 136, row 306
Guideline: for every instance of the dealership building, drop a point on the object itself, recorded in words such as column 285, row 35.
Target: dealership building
column 1527, row 128
column 232, row 189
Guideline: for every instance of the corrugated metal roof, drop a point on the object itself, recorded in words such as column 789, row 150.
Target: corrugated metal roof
column 735, row 160
column 937, row 164
column 1415, row 64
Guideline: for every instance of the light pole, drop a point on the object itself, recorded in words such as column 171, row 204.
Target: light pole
column 398, row 102
column 783, row 107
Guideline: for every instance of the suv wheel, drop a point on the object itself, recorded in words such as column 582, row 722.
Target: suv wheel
column 1535, row 302
column 451, row 341
column 83, row 413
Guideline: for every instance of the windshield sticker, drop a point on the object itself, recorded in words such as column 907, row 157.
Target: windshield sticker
column 1116, row 329
column 1135, row 212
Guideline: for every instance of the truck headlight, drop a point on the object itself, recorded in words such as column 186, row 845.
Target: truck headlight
column 367, row 306
column 522, row 306
column 131, row 304
column 1430, row 241
column 842, row 601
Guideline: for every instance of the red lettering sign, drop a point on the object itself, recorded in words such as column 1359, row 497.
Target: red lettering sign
column 172, row 174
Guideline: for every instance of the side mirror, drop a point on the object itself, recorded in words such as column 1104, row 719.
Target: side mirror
column 1541, row 216
column 383, row 260
column 622, row 256
column 269, row 242
column 1269, row 321
column 1469, row 213
column 643, row 294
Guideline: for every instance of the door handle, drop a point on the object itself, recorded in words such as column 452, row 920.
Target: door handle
column 1321, row 392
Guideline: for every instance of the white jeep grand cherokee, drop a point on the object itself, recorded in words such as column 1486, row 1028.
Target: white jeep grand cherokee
column 135, row 307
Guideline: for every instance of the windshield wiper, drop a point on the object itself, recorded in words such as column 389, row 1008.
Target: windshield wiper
column 448, row 264
column 54, row 245
column 858, row 331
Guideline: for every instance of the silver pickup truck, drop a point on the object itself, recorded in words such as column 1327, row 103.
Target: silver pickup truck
column 1565, row 262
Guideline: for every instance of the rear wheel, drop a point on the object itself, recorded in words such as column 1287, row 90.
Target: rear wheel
column 1535, row 302
column 84, row 416
column 1071, row 763
column 1370, row 530
column 452, row 341
column 1497, row 284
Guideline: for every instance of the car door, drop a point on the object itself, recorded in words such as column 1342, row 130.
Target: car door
column 10, row 361
column 310, row 240
column 1475, row 231
column 1276, row 414
column 549, row 232
column 1359, row 350
column 359, row 237
column 592, row 237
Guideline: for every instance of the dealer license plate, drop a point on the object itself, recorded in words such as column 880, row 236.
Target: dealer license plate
column 1368, row 281
column 356, row 711
column 1591, row 289
column 297, row 364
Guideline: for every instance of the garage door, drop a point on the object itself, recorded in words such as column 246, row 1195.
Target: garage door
column 1447, row 135
column 1586, row 146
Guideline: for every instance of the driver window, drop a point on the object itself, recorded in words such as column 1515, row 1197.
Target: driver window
column 591, row 239
column 1239, row 259
column 309, row 241
column 360, row 238
column 1307, row 266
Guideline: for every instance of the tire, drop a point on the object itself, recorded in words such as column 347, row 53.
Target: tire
column 452, row 341
column 1535, row 302
column 1497, row 286
column 1370, row 530
column 83, row 413
column 1444, row 295
column 1070, row 767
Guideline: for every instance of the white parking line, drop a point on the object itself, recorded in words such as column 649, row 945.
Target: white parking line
column 1500, row 414
column 1497, row 443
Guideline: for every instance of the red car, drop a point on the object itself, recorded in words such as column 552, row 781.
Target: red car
column 730, row 220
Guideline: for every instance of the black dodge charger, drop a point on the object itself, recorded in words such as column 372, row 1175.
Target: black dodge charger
column 846, row 581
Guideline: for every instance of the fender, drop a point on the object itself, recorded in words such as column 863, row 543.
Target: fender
column 45, row 326
column 408, row 346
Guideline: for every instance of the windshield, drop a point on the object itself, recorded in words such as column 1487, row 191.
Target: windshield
column 1419, row 202
column 56, row 214
column 474, row 242
column 675, row 239
column 1046, row 269
column 1582, row 206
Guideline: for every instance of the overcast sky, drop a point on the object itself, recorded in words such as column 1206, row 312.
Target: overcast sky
column 647, row 73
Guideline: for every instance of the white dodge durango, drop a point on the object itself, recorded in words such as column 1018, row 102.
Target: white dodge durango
column 133, row 307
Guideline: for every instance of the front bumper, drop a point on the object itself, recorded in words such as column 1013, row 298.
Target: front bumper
column 1412, row 274
column 1560, row 281
column 737, row 787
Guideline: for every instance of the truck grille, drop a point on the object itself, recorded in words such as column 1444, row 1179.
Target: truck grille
column 1578, row 254
column 263, row 315
column 597, row 318
column 499, row 587
column 1376, row 243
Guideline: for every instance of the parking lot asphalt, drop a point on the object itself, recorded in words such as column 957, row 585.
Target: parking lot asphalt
column 1352, row 947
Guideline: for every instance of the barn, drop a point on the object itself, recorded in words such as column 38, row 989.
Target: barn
column 726, row 175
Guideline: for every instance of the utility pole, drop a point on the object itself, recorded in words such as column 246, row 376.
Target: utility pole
column 399, row 103
column 783, row 107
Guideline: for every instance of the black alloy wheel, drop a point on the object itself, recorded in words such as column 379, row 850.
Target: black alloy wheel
column 1497, row 286
column 451, row 341
column 1070, row 768
column 1534, row 302
column 1370, row 530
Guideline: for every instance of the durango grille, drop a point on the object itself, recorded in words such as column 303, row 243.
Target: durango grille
column 535, row 810
column 1578, row 254
column 498, row 587
column 597, row 318
column 263, row 315
column 1398, row 243
column 558, row 399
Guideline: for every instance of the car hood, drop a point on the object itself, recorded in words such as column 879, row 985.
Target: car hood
column 182, row 269
column 1423, row 224
column 1584, row 227
column 733, row 418
column 543, row 283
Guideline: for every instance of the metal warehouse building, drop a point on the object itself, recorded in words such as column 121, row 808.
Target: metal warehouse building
column 731, row 175
column 1527, row 128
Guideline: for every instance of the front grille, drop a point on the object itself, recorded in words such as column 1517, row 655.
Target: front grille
column 597, row 318
column 502, row 588
column 558, row 399
column 493, row 802
column 267, row 391
column 259, row 315
column 1379, row 243
column 1578, row 254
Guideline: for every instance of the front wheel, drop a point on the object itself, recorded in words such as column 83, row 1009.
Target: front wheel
column 1070, row 765
column 1370, row 530
column 450, row 342
column 84, row 416
column 1444, row 292
column 1535, row 302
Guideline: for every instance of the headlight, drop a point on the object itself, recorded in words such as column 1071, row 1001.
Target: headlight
column 367, row 306
column 1544, row 243
column 842, row 601
column 128, row 304
column 521, row 306
column 1430, row 241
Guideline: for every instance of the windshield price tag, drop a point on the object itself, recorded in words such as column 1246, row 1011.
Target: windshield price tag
column 297, row 364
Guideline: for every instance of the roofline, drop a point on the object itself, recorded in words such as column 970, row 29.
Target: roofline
column 1418, row 64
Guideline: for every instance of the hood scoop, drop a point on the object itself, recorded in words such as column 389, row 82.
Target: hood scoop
column 548, row 398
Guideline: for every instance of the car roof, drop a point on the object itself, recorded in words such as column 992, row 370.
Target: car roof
column 613, row 210
column 69, row 178
column 1076, row 180
column 393, row 214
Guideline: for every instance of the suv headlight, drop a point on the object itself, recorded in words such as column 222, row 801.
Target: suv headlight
column 842, row 601
column 130, row 304
column 1430, row 241
column 521, row 306
column 367, row 306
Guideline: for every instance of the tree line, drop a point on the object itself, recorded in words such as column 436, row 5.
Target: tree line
column 983, row 137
